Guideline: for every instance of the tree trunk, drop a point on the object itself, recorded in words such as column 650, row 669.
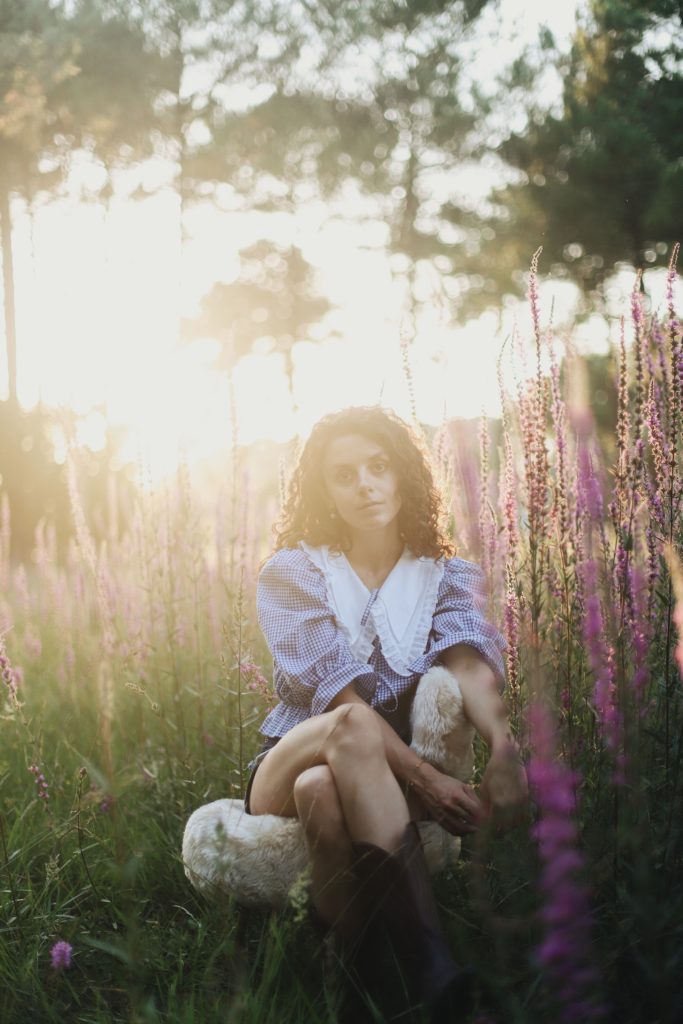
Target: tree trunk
column 8, row 289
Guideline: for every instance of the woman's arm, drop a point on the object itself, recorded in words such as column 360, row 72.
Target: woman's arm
column 454, row 804
column 504, row 788
column 503, row 793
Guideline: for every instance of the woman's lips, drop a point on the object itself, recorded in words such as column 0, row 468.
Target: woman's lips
column 370, row 504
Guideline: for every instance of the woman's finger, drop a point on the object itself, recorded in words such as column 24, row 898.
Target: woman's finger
column 471, row 808
column 460, row 821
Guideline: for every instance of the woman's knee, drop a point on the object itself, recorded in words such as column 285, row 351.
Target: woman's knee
column 354, row 732
column 317, row 801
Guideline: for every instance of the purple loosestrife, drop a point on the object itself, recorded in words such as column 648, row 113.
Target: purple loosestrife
column 256, row 681
column 508, row 494
column 565, row 952
column 60, row 956
column 674, row 397
column 659, row 339
column 674, row 341
column 589, row 492
column 540, row 455
column 679, row 370
column 511, row 621
column 10, row 676
column 536, row 479
column 658, row 446
column 652, row 571
column 623, row 425
column 487, row 521
column 43, row 789
column 559, row 420
column 509, row 501
column 654, row 502
column 676, row 570
column 638, row 319
column 622, row 577
column 671, row 280
column 601, row 659
column 639, row 637
column 532, row 295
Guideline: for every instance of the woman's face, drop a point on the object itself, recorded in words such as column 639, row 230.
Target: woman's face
column 361, row 482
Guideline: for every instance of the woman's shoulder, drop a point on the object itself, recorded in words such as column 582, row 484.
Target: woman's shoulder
column 462, row 565
column 459, row 573
column 287, row 561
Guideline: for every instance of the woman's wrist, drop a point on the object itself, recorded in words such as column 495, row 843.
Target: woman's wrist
column 503, row 742
column 419, row 775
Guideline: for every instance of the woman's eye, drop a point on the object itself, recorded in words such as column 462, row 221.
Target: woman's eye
column 379, row 467
column 343, row 477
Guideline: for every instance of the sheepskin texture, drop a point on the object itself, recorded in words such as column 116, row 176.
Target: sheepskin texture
column 258, row 859
column 441, row 734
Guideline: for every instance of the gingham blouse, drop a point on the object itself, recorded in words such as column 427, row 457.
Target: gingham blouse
column 325, row 629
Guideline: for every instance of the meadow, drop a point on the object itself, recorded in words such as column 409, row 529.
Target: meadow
column 134, row 677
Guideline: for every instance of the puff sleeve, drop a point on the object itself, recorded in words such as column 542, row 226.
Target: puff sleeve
column 458, row 619
column 311, row 653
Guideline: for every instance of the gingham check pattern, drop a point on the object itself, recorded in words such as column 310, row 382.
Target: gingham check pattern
column 311, row 654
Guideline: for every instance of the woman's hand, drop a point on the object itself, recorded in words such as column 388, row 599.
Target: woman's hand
column 504, row 789
column 454, row 804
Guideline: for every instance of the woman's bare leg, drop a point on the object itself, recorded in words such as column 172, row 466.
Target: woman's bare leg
column 349, row 741
column 333, row 885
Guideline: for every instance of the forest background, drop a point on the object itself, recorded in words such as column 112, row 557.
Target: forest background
column 218, row 220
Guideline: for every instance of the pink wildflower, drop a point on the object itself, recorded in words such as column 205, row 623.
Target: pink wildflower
column 639, row 344
column 601, row 659
column 43, row 789
column 565, row 950
column 639, row 637
column 674, row 563
column 559, row 419
column 671, row 280
column 255, row 681
column 532, row 293
column 658, row 446
column 10, row 676
column 60, row 955
column 107, row 803
column 511, row 628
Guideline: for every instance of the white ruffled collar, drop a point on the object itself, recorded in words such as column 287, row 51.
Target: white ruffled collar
column 399, row 612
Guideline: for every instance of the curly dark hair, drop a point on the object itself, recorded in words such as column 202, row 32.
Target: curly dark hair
column 306, row 514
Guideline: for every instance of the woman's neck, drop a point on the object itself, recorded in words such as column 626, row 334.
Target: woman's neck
column 375, row 552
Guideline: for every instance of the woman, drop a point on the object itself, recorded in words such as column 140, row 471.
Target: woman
column 360, row 599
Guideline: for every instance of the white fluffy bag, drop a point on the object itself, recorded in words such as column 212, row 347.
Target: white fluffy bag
column 258, row 858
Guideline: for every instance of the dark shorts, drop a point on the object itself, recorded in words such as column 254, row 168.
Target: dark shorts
column 267, row 745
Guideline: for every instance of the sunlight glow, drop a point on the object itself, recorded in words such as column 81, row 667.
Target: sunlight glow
column 103, row 338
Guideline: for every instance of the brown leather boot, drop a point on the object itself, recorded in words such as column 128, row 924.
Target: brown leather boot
column 399, row 889
column 347, row 964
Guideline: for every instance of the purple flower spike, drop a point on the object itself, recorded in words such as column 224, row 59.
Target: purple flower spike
column 565, row 952
column 9, row 674
column 60, row 955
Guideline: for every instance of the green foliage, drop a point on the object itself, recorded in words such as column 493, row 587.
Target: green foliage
column 108, row 106
column 598, row 183
column 393, row 130
column 36, row 57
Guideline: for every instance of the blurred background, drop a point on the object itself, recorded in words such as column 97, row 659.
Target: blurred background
column 220, row 219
